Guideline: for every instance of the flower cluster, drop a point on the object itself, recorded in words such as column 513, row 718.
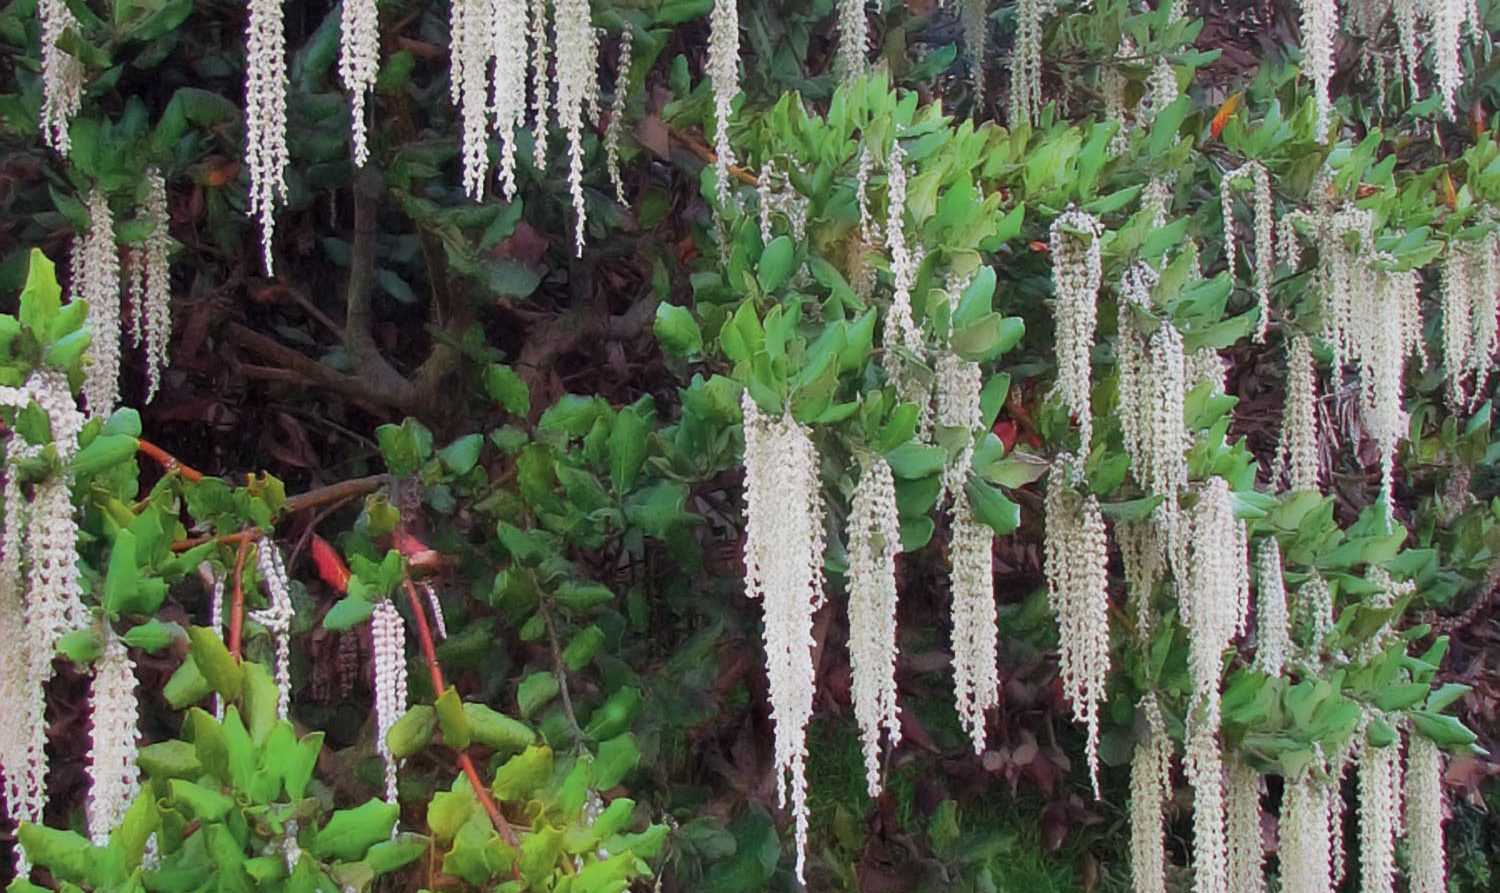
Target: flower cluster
column 1152, row 385
column 1076, row 274
column 902, row 340
column 1026, row 61
column 577, row 90
column 724, row 78
column 617, row 114
column 1076, row 562
column 114, row 778
column 1320, row 24
column 784, row 571
column 1265, row 253
column 1298, row 449
column 1203, row 764
column 1150, row 790
column 388, row 638
column 1379, row 816
column 276, row 617
column 265, row 116
column 359, row 62
column 775, row 194
column 1306, row 857
column 1471, row 307
column 874, row 541
column 62, row 75
column 976, row 681
column 854, row 39
column 151, row 286
column 1273, row 636
column 97, row 281
column 1426, row 865
column 1247, row 855
column 974, row 16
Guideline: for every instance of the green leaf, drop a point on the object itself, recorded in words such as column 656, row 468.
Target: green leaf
column 1445, row 731
column 201, row 803
column 41, row 299
column 539, row 852
column 81, row 646
column 347, row 612
column 914, row 460
column 991, row 507
column 627, row 448
column 581, row 596
column 677, row 331
column 1400, row 697
column 390, row 855
column 523, row 773
column 506, row 388
column 617, row 757
column 187, row 685
column 614, row 715
column 450, row 714
column 462, row 455
column 351, row 832
column 153, row 635
column 260, row 702
column 582, row 648
column 977, row 299
column 67, row 854
column 497, row 731
column 775, row 266
column 104, row 452
column 988, row 337
column 169, row 759
column 223, row 672
column 412, row 732
column 535, row 692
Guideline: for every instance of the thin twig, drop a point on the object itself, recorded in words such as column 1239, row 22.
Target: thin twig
column 562, row 677
column 465, row 763
column 237, row 607
column 168, row 461
column 697, row 148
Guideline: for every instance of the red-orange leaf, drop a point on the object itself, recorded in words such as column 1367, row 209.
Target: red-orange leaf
column 331, row 567
column 1225, row 112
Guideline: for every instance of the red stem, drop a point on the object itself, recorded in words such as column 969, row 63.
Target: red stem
column 168, row 461
column 465, row 763
column 237, row 607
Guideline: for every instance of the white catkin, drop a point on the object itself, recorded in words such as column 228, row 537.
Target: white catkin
column 276, row 617
column 1320, row 24
column 974, row 17
column 1214, row 591
column 617, row 115
column 388, row 638
column 869, row 227
column 508, row 83
column 1485, row 342
column 874, row 541
column 22, row 760
column 1243, row 787
column 1076, row 275
column 540, row 80
column 854, row 39
column 1152, row 387
column 100, row 288
column 114, row 778
column 1379, row 816
column 1427, row 869
column 1446, row 19
column 1076, row 563
column 1298, row 450
column 1162, row 90
column 959, row 384
column 1150, row 790
column 577, row 81
column 724, row 78
column 1406, row 14
column 151, row 292
column 1306, row 863
column 1273, row 636
column 439, row 622
column 1026, row 61
column 976, row 680
column 784, row 571
column 1204, row 768
column 359, row 62
column 1458, row 322
column 1144, row 555
column 901, row 329
column 1263, row 219
column 265, row 117
column 1312, row 612
column 62, row 75
column 470, row 45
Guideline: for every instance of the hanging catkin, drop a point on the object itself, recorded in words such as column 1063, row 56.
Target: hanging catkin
column 874, row 541
column 359, row 62
column 784, row 572
column 265, row 117
column 1074, row 247
column 1076, row 562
